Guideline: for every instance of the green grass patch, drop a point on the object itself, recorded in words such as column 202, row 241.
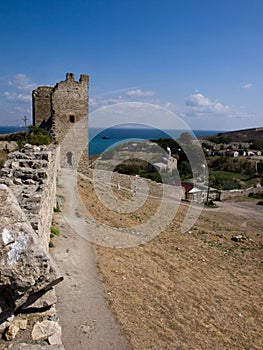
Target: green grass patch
column 55, row 231
column 255, row 195
column 51, row 244
column 57, row 209
column 228, row 180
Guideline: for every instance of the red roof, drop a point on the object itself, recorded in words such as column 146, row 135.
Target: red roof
column 187, row 187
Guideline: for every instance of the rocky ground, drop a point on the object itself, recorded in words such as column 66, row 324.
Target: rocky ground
column 196, row 290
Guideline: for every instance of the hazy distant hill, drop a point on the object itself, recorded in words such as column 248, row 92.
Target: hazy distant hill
column 241, row 135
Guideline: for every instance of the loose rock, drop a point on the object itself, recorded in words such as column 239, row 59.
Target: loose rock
column 45, row 329
column 237, row 238
column 11, row 332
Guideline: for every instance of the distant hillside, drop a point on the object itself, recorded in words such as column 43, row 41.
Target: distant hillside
column 241, row 135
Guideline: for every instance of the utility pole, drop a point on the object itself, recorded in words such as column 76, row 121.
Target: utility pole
column 208, row 187
column 25, row 120
column 256, row 167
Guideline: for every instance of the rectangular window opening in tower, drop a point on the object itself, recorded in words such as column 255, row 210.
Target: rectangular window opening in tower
column 72, row 118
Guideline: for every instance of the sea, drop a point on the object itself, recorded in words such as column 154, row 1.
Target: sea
column 10, row 129
column 101, row 139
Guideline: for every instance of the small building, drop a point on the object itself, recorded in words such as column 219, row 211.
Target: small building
column 197, row 195
column 222, row 153
column 242, row 153
column 160, row 167
column 171, row 164
column 233, row 154
column 201, row 195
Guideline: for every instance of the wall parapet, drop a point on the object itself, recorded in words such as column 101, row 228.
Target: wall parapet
column 224, row 195
column 31, row 175
column 28, row 272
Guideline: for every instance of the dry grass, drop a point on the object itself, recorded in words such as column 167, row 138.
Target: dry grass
column 3, row 156
column 198, row 290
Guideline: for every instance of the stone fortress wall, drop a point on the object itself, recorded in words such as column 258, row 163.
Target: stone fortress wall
column 28, row 272
column 42, row 110
column 31, row 175
column 28, row 198
column 58, row 108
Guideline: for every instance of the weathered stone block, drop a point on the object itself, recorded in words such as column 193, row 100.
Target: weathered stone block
column 27, row 270
column 11, row 332
column 46, row 329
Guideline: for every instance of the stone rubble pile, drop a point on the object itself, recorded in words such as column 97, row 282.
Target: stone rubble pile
column 28, row 273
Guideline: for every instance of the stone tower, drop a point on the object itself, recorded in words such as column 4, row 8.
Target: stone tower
column 60, row 107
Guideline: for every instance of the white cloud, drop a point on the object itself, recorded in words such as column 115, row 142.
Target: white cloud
column 203, row 104
column 12, row 96
column 22, row 82
column 136, row 112
column 199, row 111
column 17, row 94
column 197, row 100
column 111, row 97
column 139, row 92
column 247, row 86
column 101, row 101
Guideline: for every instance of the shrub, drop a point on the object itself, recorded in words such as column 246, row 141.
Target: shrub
column 35, row 136
column 255, row 195
column 38, row 136
column 57, row 208
column 128, row 169
column 185, row 170
column 152, row 176
column 55, row 231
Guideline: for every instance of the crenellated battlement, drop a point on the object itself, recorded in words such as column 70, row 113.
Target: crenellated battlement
column 58, row 108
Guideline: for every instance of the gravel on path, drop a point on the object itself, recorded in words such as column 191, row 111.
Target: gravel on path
column 87, row 323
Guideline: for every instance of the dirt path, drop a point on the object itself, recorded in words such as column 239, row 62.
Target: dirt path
column 86, row 321
column 247, row 209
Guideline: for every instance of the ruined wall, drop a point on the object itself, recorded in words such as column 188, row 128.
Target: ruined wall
column 28, row 273
column 41, row 98
column 60, row 107
column 69, row 104
column 224, row 195
column 31, row 175
column 48, row 199
column 28, row 198
column 26, row 267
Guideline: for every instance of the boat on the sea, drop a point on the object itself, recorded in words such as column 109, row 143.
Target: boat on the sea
column 105, row 137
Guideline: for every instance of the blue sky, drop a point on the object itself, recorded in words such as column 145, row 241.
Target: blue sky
column 202, row 60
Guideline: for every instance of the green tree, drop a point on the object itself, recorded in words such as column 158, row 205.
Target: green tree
column 128, row 169
column 185, row 170
column 185, row 138
column 256, row 145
